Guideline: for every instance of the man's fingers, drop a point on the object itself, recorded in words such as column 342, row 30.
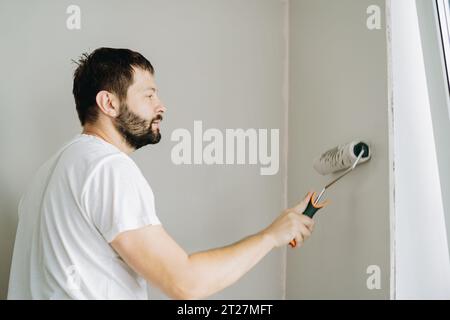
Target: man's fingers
column 305, row 232
column 304, row 227
column 299, row 240
column 311, row 227
column 307, row 221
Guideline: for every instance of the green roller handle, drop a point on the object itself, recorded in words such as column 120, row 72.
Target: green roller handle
column 311, row 210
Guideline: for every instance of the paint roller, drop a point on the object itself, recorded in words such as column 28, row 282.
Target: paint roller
column 344, row 157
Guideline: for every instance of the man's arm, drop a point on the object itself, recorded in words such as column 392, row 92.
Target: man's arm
column 152, row 253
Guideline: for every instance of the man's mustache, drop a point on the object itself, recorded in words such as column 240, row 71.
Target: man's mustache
column 158, row 117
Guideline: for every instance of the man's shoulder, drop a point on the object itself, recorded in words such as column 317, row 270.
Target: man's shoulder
column 93, row 150
column 85, row 156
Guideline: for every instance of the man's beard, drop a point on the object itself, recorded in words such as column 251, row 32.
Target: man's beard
column 136, row 131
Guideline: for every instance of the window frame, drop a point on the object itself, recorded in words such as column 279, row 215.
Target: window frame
column 443, row 14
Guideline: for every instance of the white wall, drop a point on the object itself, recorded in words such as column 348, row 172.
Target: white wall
column 422, row 261
column 221, row 62
column 338, row 93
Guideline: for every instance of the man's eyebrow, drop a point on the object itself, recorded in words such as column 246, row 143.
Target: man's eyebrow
column 149, row 88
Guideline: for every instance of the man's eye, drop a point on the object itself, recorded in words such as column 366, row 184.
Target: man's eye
column 151, row 96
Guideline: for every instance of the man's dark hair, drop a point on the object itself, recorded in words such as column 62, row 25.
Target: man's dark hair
column 104, row 69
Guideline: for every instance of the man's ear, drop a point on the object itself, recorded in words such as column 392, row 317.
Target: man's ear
column 107, row 102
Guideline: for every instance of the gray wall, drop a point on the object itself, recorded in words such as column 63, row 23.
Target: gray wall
column 216, row 61
column 338, row 93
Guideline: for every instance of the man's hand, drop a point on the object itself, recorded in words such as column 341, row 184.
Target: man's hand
column 291, row 224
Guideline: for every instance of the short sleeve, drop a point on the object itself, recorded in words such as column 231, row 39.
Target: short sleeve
column 118, row 198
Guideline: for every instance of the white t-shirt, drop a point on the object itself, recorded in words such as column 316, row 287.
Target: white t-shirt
column 78, row 202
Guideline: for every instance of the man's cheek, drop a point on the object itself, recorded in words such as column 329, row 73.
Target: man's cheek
column 145, row 113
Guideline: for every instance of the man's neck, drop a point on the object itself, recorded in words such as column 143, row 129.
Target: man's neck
column 110, row 136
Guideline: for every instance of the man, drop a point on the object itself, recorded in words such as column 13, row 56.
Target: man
column 87, row 224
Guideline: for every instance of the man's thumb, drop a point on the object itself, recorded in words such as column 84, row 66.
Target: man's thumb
column 300, row 208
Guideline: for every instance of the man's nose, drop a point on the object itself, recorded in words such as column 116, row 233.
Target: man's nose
column 161, row 109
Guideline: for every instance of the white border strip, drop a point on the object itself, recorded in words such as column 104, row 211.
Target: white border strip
column 392, row 275
column 286, row 83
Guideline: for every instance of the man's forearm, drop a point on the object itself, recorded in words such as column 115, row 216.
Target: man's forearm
column 216, row 269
